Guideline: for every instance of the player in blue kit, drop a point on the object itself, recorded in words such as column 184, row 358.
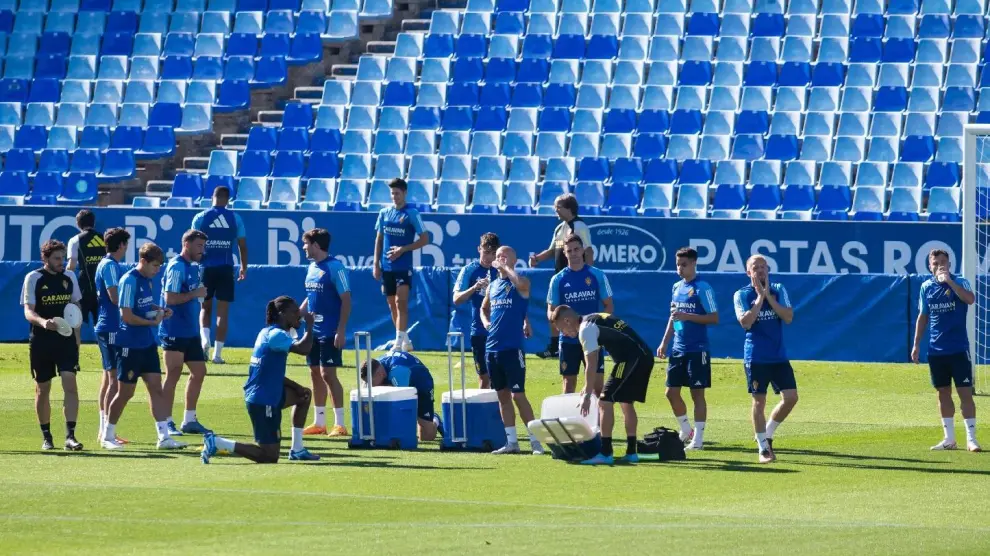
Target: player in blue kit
column 267, row 390
column 692, row 311
column 328, row 298
column 503, row 312
column 472, row 283
column 182, row 291
column 762, row 309
column 397, row 227
column 139, row 318
column 225, row 230
column 585, row 289
column 108, row 274
column 942, row 306
column 405, row 369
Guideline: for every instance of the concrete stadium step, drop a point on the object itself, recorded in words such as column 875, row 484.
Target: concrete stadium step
column 196, row 164
column 344, row 72
column 309, row 95
column 381, row 47
column 411, row 25
column 270, row 118
column 233, row 141
column 158, row 188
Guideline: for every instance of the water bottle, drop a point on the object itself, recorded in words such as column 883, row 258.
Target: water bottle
column 678, row 325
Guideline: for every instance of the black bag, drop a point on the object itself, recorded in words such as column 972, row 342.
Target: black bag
column 663, row 442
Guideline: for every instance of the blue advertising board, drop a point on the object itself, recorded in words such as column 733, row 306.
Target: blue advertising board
column 274, row 238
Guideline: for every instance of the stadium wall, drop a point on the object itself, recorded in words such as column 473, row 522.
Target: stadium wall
column 839, row 317
column 621, row 243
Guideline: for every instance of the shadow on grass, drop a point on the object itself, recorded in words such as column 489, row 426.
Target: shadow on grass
column 129, row 454
column 822, row 453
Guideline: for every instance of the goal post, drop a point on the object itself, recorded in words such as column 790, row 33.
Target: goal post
column 975, row 241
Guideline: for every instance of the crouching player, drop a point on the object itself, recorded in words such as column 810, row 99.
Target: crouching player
column 403, row 369
column 267, row 391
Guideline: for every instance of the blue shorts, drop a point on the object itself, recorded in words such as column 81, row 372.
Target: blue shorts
column 954, row 367
column 109, row 352
column 571, row 359
column 324, row 354
column 780, row 375
column 507, row 369
column 266, row 421
column 478, row 351
column 219, row 282
column 191, row 349
column 692, row 370
column 135, row 362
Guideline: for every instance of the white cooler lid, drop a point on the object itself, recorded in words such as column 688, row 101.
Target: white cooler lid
column 471, row 395
column 386, row 394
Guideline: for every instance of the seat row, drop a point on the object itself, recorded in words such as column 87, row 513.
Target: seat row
column 790, row 7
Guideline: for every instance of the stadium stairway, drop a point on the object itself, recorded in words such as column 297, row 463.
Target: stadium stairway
column 267, row 108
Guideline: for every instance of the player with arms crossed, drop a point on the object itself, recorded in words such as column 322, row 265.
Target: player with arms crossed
column 225, row 229
column 626, row 385
column 46, row 292
column 397, row 227
column 328, row 299
column 692, row 310
column 472, row 283
column 108, row 274
column 762, row 309
column 85, row 251
column 267, row 390
column 406, row 370
column 585, row 289
column 942, row 306
column 139, row 320
column 180, row 334
column 503, row 312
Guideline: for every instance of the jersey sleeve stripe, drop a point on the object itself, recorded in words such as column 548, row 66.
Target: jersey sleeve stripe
column 711, row 300
column 342, row 278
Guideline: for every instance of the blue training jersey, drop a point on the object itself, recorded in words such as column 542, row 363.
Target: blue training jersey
column 508, row 312
column 107, row 276
column 467, row 278
column 136, row 293
column 266, row 374
column 765, row 339
column 946, row 316
column 405, row 369
column 223, row 227
column 696, row 298
column 181, row 276
column 582, row 290
column 325, row 282
column 399, row 228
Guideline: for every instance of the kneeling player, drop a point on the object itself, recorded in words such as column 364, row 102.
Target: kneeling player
column 942, row 307
column 267, row 391
column 762, row 309
column 403, row 369
column 628, row 382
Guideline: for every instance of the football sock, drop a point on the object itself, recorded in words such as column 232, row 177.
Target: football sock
column 772, row 427
column 631, row 446
column 190, row 416
column 971, row 429
column 338, row 416
column 699, row 432
column 761, row 441
column 46, row 431
column 685, row 425
column 162, row 427
column 224, row 444
column 321, row 416
column 510, row 434
column 607, row 446
column 949, row 428
column 217, row 350
column 70, row 429
column 297, row 438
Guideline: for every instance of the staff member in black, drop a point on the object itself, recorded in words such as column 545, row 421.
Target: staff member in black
column 85, row 251
column 46, row 293
column 566, row 206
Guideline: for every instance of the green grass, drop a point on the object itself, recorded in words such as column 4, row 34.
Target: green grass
column 854, row 475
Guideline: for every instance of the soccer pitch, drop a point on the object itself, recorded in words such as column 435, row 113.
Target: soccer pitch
column 854, row 475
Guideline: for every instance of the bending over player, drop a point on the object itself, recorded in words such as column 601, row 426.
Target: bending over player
column 404, row 369
column 267, row 391
column 762, row 309
column 942, row 308
column 626, row 385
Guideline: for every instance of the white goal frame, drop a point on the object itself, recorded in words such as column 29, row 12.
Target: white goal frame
column 970, row 263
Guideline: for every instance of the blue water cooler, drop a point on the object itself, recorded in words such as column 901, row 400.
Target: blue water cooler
column 485, row 431
column 394, row 418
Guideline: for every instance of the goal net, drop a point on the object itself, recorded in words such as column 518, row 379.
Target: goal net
column 975, row 241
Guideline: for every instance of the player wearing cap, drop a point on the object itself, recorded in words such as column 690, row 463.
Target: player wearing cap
column 46, row 292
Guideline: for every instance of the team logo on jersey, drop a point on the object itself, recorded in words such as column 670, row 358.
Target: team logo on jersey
column 690, row 292
column 587, row 281
column 65, row 284
column 756, row 385
column 44, row 287
column 563, row 366
column 130, row 375
column 220, row 222
column 402, row 218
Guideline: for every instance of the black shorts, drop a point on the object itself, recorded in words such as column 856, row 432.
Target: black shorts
column 190, row 348
column 324, row 354
column 629, row 381
column 51, row 356
column 135, row 362
column 692, row 370
column 424, row 404
column 478, row 352
column 219, row 282
column 571, row 358
column 266, row 421
column 392, row 279
column 90, row 310
column 507, row 369
column 779, row 375
column 954, row 367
